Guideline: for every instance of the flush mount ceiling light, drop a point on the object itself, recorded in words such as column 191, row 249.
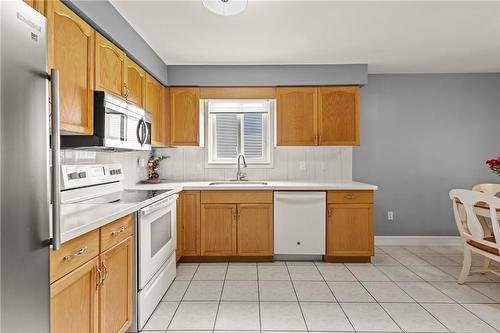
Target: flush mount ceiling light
column 225, row 7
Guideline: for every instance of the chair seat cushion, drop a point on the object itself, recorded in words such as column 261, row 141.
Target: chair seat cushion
column 483, row 247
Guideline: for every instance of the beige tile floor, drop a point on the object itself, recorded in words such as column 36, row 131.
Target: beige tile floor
column 404, row 289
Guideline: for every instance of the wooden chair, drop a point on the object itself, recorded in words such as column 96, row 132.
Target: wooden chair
column 491, row 189
column 473, row 235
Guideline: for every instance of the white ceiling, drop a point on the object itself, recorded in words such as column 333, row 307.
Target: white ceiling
column 391, row 37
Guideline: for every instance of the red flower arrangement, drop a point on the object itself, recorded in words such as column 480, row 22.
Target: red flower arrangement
column 494, row 165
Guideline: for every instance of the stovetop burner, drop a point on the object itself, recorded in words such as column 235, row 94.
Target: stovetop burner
column 127, row 196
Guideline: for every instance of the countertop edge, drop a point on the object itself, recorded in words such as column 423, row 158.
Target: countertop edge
column 177, row 187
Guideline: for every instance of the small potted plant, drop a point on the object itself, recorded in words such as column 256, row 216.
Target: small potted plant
column 494, row 165
column 152, row 167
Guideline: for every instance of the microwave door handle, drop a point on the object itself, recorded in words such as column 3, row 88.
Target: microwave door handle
column 145, row 132
column 56, row 160
column 139, row 130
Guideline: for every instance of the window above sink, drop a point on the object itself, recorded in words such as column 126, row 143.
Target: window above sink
column 237, row 127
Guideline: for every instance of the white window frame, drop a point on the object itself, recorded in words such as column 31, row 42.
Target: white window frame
column 232, row 163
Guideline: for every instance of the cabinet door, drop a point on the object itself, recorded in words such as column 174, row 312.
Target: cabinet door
column 155, row 107
column 255, row 230
column 135, row 83
column 350, row 230
column 184, row 116
column 71, row 51
column 338, row 109
column 191, row 228
column 179, row 230
column 110, row 73
column 38, row 5
column 297, row 116
column 115, row 294
column 73, row 301
column 218, row 229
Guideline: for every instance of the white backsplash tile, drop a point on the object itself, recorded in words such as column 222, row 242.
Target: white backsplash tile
column 188, row 164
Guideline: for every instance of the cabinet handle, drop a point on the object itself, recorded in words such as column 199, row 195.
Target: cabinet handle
column 234, row 214
column 99, row 277
column 125, row 90
column 105, row 272
column 349, row 196
column 119, row 231
column 76, row 254
column 330, row 212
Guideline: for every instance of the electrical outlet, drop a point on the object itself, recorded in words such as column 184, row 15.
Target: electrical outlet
column 302, row 165
column 390, row 215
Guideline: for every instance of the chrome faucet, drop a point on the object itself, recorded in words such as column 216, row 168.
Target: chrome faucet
column 240, row 175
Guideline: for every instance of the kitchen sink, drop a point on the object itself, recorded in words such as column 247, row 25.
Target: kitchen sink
column 238, row 182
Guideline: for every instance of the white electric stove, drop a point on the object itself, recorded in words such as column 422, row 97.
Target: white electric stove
column 155, row 229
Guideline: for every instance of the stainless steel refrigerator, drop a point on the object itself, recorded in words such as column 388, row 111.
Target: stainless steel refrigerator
column 25, row 174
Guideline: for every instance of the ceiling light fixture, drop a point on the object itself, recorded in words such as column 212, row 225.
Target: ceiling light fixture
column 225, row 7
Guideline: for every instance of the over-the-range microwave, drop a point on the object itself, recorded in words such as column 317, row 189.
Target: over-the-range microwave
column 118, row 125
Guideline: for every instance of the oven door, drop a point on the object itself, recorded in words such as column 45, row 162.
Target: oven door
column 157, row 237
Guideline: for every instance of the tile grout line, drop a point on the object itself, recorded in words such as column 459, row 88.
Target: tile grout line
column 376, row 301
column 220, row 298
column 258, row 298
column 340, row 306
column 182, row 298
column 453, row 300
column 296, row 296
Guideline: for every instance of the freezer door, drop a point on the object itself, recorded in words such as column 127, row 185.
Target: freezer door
column 24, row 140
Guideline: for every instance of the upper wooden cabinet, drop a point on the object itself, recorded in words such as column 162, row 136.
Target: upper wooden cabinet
column 110, row 67
column 71, row 51
column 184, row 116
column 135, row 83
column 338, row 116
column 38, row 5
column 297, row 116
column 154, row 105
column 324, row 116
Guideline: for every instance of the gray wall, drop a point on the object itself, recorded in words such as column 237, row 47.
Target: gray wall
column 109, row 22
column 422, row 135
column 270, row 75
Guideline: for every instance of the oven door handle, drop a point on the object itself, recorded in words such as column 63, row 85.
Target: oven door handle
column 159, row 205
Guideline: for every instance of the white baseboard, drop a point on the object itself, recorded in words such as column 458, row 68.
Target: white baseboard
column 417, row 240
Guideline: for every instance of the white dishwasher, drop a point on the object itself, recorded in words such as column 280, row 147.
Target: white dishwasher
column 299, row 223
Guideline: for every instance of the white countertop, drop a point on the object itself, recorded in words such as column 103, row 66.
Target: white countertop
column 78, row 219
column 276, row 185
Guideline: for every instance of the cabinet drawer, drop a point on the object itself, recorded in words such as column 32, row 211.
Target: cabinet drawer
column 350, row 197
column 73, row 254
column 114, row 232
column 236, row 197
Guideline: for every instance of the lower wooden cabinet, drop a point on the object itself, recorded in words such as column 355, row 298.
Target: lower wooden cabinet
column 74, row 301
column 255, row 230
column 115, row 291
column 350, row 227
column 236, row 229
column 218, row 229
column 96, row 296
column 189, row 215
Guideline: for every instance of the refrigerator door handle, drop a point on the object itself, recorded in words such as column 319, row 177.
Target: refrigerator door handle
column 56, row 160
